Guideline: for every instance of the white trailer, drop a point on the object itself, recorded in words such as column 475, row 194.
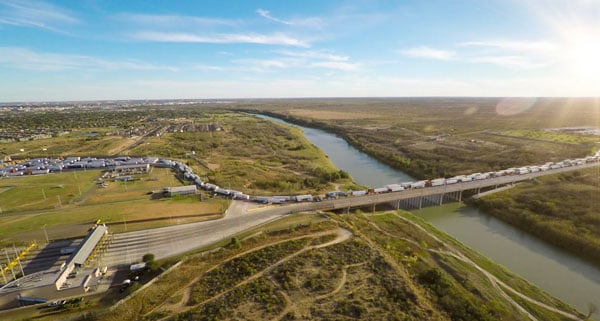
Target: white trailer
column 303, row 198
column 438, row 182
column 359, row 193
column 394, row 187
column 380, row 190
column 419, row 184
column 451, row 181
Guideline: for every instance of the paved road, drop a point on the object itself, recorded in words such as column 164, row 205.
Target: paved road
column 129, row 247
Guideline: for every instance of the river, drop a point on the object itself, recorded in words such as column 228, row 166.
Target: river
column 557, row 272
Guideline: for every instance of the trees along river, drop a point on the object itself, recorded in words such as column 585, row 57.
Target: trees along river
column 557, row 272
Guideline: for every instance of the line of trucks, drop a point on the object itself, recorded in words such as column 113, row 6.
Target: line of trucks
column 186, row 172
column 390, row 188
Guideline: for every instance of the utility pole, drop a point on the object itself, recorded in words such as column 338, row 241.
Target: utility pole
column 44, row 193
column 46, row 234
column 18, row 260
column 8, row 260
column 3, row 275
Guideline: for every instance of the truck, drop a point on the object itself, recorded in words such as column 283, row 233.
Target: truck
column 334, row 194
column 303, row 198
column 67, row 250
column 394, row 187
column 380, row 190
column 419, row 184
column 358, row 193
column 438, row 182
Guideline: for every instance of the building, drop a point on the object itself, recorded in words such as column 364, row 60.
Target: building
column 132, row 169
column 84, row 252
column 180, row 190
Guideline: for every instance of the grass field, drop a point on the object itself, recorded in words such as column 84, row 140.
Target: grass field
column 25, row 211
column 74, row 143
column 249, row 154
column 41, row 192
column 389, row 269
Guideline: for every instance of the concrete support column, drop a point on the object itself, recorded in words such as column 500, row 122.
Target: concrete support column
column 420, row 202
column 460, row 196
column 441, row 199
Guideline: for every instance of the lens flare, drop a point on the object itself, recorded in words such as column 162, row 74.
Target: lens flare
column 514, row 106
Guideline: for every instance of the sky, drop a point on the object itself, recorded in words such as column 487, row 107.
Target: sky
column 105, row 50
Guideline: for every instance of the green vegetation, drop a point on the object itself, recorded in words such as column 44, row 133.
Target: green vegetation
column 246, row 153
column 390, row 269
column 555, row 136
column 440, row 137
column 562, row 209
column 42, row 192
column 234, row 271
column 66, row 213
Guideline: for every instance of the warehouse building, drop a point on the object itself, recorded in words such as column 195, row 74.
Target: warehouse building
column 180, row 190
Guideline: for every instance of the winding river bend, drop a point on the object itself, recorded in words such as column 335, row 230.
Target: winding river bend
column 557, row 272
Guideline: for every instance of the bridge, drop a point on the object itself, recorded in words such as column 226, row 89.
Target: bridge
column 416, row 198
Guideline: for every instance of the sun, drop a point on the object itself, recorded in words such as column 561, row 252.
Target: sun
column 582, row 53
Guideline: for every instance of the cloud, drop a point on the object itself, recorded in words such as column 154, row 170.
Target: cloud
column 511, row 62
column 516, row 55
column 266, row 14
column 204, row 67
column 174, row 20
column 266, row 65
column 22, row 58
column 427, row 52
column 300, row 60
column 34, row 14
column 314, row 55
column 515, row 46
column 253, row 38
column 312, row 22
column 337, row 65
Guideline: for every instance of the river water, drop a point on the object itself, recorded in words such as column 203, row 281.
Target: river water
column 561, row 274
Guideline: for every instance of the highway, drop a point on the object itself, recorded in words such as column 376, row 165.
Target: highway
column 129, row 247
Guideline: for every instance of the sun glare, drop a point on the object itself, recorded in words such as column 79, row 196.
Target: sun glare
column 583, row 54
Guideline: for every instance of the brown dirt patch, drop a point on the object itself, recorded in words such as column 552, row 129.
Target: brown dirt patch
column 323, row 114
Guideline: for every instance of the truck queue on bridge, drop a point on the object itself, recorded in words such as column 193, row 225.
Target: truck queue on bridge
column 45, row 166
column 390, row 188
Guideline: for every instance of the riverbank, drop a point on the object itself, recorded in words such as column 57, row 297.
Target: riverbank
column 572, row 235
column 563, row 275
column 563, row 210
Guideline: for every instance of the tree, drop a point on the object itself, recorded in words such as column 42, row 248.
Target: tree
column 235, row 243
column 151, row 264
column 148, row 258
